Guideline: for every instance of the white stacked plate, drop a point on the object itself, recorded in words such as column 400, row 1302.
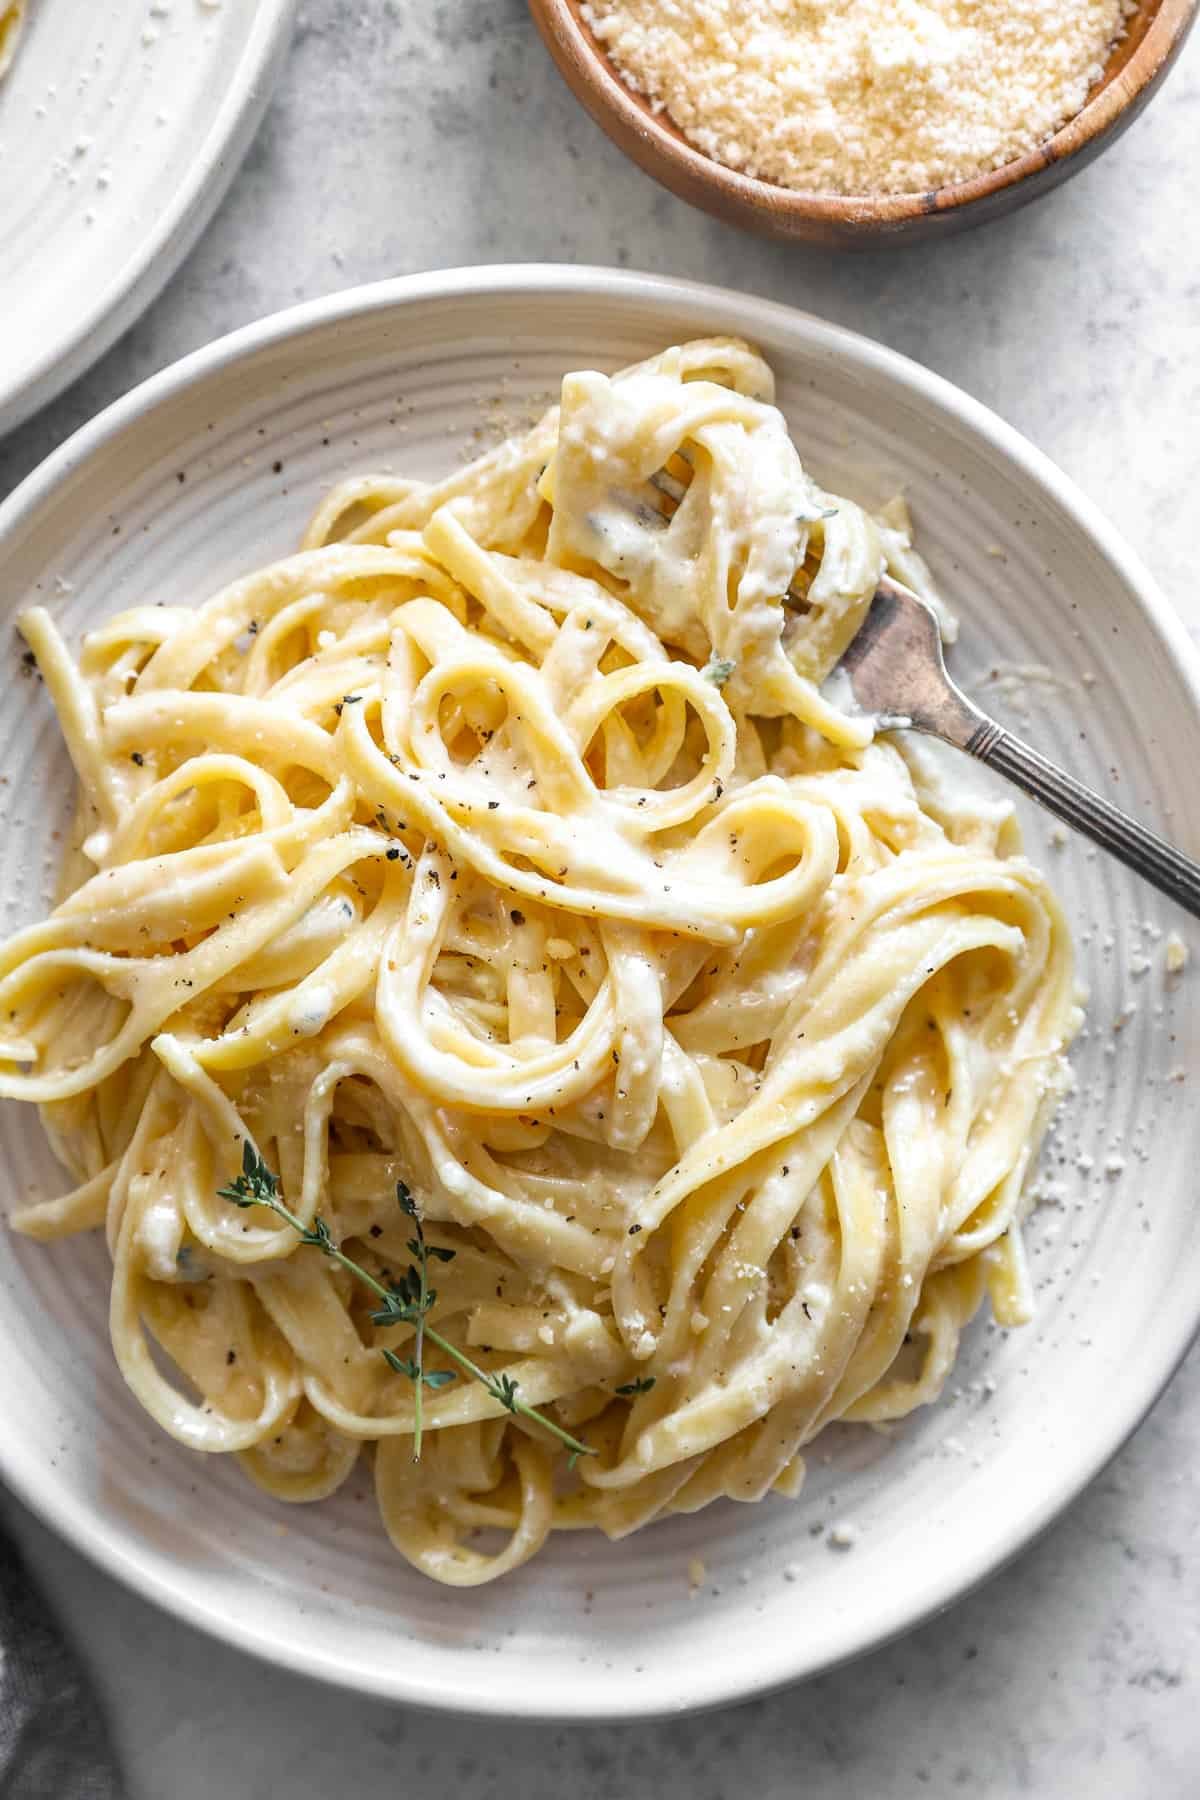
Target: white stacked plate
column 211, row 469
column 121, row 125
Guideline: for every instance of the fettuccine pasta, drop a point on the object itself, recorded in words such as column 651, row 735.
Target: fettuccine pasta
column 503, row 843
column 12, row 18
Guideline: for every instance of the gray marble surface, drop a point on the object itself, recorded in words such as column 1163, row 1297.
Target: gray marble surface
column 409, row 137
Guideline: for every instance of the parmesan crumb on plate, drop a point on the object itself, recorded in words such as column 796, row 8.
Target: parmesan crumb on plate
column 1175, row 953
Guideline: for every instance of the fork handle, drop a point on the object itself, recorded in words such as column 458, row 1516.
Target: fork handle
column 1140, row 850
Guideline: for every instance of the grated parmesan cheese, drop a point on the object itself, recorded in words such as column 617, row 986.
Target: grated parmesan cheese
column 861, row 96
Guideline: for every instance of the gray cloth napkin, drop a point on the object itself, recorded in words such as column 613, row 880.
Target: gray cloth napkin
column 54, row 1743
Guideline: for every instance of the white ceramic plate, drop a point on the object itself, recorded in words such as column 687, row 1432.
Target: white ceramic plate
column 121, row 125
column 211, row 468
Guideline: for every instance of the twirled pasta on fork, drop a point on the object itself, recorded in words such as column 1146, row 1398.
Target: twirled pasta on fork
column 501, row 843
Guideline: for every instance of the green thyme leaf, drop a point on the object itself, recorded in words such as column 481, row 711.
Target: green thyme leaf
column 407, row 1203
column 505, row 1391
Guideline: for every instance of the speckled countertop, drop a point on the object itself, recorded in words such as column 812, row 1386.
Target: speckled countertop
column 409, row 137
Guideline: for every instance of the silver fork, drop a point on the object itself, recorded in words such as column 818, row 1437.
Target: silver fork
column 897, row 672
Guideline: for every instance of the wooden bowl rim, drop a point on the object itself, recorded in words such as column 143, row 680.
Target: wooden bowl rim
column 565, row 32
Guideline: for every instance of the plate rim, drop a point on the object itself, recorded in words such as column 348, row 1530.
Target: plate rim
column 97, row 1539
column 138, row 282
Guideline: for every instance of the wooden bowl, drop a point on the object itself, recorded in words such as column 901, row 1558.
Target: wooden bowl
column 854, row 222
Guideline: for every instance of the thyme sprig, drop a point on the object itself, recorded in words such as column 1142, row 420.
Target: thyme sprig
column 407, row 1300
column 420, row 1298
